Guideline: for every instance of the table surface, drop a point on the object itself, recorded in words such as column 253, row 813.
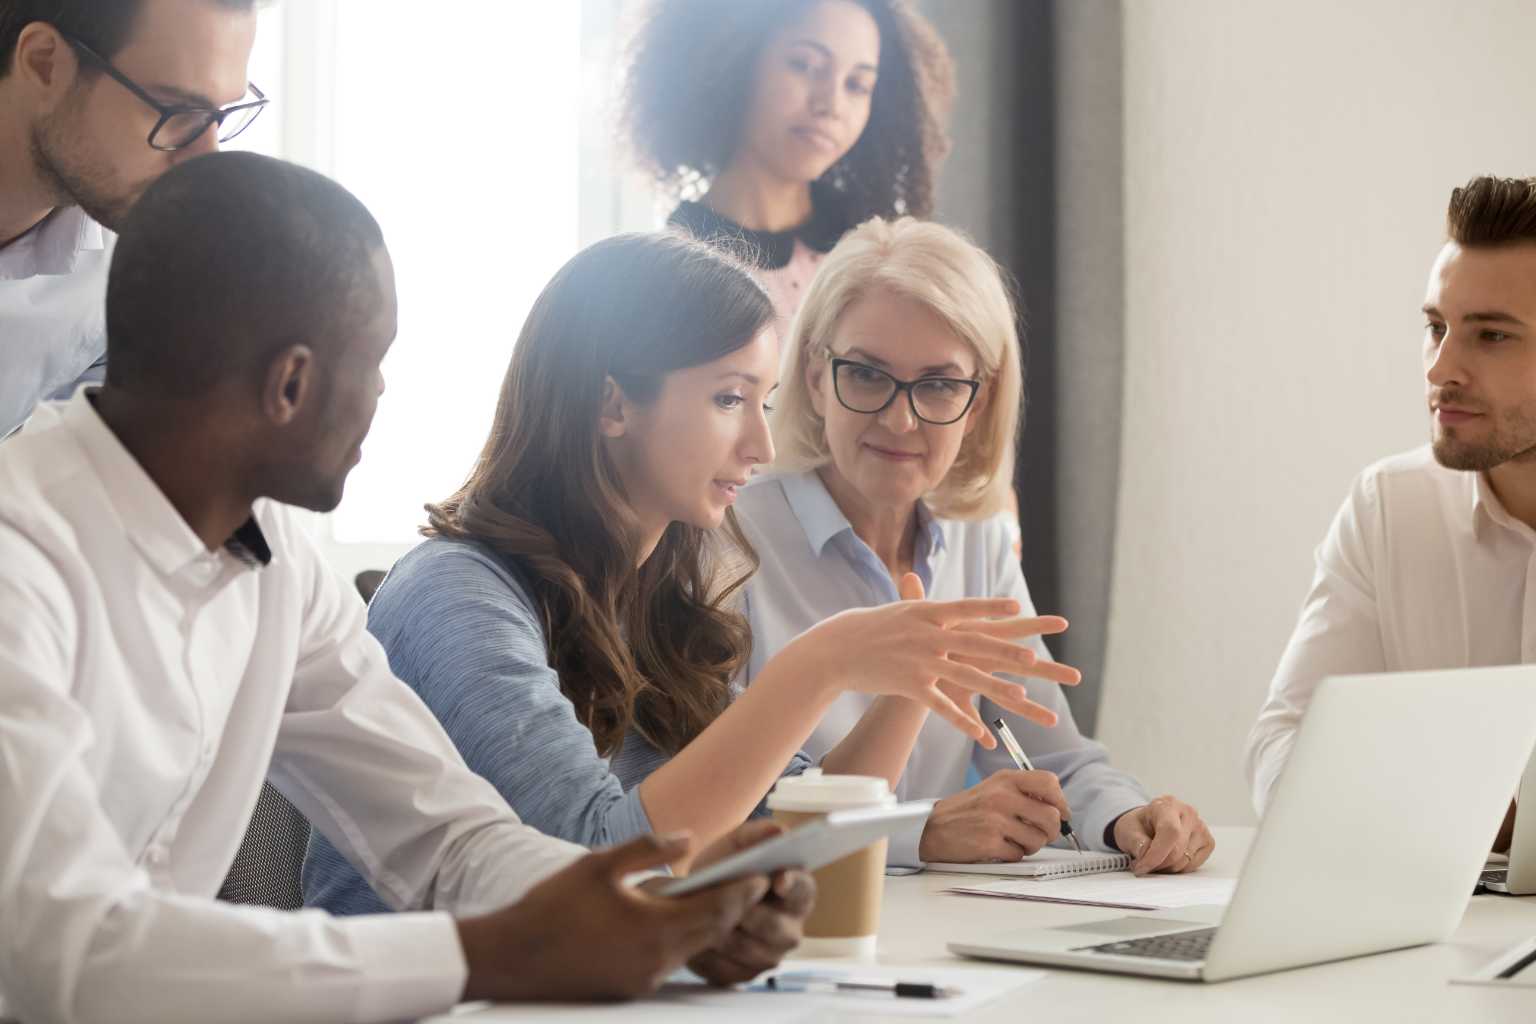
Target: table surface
column 918, row 919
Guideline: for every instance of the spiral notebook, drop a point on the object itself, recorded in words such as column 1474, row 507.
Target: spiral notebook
column 1047, row 863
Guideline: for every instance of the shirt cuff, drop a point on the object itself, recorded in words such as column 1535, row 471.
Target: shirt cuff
column 1109, row 826
column 413, row 965
column 904, row 844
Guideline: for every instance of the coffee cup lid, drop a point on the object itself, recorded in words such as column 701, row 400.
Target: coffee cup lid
column 813, row 791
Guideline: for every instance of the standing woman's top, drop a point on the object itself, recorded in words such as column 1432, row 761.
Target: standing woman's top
column 783, row 261
column 782, row 124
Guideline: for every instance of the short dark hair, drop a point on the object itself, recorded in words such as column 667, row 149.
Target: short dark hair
column 692, row 67
column 103, row 25
column 224, row 261
column 1492, row 211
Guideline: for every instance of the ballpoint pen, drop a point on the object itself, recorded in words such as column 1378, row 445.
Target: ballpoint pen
column 1022, row 760
column 810, row 982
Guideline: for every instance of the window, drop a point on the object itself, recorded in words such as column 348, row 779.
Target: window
column 483, row 145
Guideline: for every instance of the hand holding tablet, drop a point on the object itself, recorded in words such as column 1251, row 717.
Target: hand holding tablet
column 809, row 846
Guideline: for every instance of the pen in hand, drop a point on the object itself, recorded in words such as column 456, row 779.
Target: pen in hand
column 1019, row 758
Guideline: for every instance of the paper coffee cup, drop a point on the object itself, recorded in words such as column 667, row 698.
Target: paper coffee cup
column 846, row 917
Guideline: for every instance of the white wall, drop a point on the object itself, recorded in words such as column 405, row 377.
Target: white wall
column 1287, row 166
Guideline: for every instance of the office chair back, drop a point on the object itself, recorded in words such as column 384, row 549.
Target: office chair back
column 266, row 868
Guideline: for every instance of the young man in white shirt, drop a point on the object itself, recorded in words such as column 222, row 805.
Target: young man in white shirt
column 1431, row 562
column 96, row 101
column 169, row 636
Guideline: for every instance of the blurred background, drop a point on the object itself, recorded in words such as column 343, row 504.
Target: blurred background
column 1220, row 214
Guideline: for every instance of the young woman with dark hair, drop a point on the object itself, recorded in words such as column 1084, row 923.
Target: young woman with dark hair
column 572, row 618
column 784, row 123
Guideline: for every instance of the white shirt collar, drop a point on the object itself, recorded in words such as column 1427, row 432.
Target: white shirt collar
column 147, row 516
column 822, row 520
column 52, row 247
column 1487, row 508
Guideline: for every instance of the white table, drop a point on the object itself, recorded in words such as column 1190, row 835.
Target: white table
column 1406, row 986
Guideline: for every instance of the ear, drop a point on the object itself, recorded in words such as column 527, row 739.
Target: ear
column 979, row 407
column 816, row 371
column 611, row 414
column 44, row 60
column 289, row 384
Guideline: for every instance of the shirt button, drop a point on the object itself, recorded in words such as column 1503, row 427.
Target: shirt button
column 158, row 855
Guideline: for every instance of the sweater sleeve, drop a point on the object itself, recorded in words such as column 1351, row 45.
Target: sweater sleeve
column 462, row 631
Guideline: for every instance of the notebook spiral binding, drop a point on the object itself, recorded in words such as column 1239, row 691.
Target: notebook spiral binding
column 1092, row 865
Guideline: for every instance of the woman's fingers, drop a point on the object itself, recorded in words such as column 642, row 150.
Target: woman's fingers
column 1021, row 628
column 978, row 645
column 1025, row 835
column 1022, row 705
column 1000, row 656
column 1001, row 692
column 1050, row 671
column 911, row 587
column 947, row 613
column 962, row 716
column 1170, row 839
column 1006, row 656
column 1054, row 672
column 1206, row 845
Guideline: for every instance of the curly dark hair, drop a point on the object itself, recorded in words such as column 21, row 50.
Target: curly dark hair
column 691, row 71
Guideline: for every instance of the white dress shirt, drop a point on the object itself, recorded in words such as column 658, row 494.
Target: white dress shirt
column 1422, row 569
column 814, row 566
column 53, row 295
column 147, row 686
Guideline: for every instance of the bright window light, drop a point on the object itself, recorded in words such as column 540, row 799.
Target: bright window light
column 462, row 138
column 265, row 135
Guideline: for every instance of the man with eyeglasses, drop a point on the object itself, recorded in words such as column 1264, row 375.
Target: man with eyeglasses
column 98, row 98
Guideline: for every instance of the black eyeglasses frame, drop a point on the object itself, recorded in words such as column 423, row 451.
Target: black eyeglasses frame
column 900, row 386
column 214, row 116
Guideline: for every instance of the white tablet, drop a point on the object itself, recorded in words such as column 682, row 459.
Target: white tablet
column 812, row 845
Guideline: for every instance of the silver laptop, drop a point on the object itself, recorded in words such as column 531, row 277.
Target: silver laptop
column 1518, row 876
column 1377, row 830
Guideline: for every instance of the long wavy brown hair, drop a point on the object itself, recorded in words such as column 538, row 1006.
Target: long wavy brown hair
column 653, row 650
column 692, row 68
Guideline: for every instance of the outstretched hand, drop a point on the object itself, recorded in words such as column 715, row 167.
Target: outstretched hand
column 1013, row 631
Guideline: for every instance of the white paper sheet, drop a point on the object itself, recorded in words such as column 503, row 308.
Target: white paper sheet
column 1513, row 961
column 1119, row 889
column 680, row 1001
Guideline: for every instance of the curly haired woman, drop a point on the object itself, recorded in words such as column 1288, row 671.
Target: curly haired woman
column 782, row 124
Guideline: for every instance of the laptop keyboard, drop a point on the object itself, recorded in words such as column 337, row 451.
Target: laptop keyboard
column 1190, row 946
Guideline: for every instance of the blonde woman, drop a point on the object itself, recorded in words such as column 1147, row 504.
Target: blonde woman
column 895, row 429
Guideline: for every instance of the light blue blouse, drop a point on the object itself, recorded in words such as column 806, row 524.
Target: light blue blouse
column 461, row 628
column 814, row 566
